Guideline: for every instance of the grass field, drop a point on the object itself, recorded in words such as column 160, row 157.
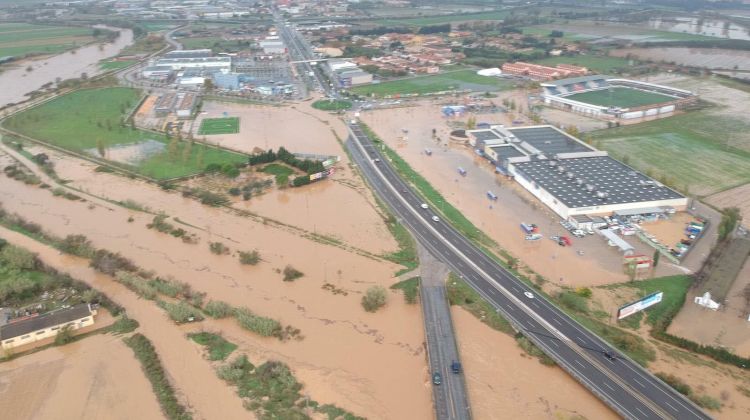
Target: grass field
column 115, row 65
column 454, row 80
column 332, row 105
column 687, row 148
column 209, row 126
column 17, row 39
column 620, row 97
column 84, row 120
column 437, row 20
column 674, row 287
column 596, row 63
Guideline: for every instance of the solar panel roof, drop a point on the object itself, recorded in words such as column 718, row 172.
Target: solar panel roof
column 593, row 181
column 485, row 135
column 549, row 140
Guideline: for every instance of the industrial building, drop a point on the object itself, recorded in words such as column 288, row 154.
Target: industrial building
column 181, row 104
column 272, row 46
column 33, row 328
column 569, row 176
column 354, row 78
column 157, row 72
column 189, row 53
column 195, row 62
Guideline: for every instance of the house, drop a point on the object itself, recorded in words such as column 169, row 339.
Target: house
column 38, row 327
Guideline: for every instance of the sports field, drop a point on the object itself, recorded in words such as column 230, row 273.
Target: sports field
column 18, row 39
column 209, row 126
column 454, row 80
column 620, row 97
column 88, row 122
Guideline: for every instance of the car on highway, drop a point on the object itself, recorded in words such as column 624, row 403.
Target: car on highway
column 528, row 295
column 424, row 206
column 435, row 219
column 610, row 356
column 437, row 378
column 376, row 160
column 456, row 367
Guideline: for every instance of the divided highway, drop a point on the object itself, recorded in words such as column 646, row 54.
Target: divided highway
column 618, row 381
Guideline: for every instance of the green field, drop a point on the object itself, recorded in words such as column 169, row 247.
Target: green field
column 454, row 80
column 115, row 65
column 85, row 120
column 687, row 148
column 18, row 39
column 332, row 105
column 209, row 126
column 596, row 63
column 437, row 20
column 620, row 97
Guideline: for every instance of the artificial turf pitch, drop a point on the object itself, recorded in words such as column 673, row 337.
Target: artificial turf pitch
column 230, row 125
column 621, row 97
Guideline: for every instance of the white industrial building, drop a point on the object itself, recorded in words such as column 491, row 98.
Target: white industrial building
column 195, row 63
column 569, row 176
column 38, row 327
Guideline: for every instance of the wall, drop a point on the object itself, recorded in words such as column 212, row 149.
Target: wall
column 46, row 333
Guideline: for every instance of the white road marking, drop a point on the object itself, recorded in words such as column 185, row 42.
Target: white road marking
column 639, row 410
column 579, row 362
column 670, row 406
column 639, row 383
column 608, row 386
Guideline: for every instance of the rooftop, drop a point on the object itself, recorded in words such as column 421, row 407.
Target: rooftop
column 549, row 140
column 593, row 181
column 483, row 135
column 507, row 151
column 572, row 80
column 50, row 319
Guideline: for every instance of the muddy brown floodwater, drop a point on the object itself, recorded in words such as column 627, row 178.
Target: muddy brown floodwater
column 94, row 378
column 347, row 355
column 16, row 82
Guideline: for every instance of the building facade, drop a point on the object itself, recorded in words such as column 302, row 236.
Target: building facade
column 39, row 327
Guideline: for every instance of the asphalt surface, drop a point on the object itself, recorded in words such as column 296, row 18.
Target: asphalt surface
column 450, row 397
column 618, row 381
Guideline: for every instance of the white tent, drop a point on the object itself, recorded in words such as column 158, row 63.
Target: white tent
column 490, row 72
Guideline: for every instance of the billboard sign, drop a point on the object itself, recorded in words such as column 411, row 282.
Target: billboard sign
column 639, row 305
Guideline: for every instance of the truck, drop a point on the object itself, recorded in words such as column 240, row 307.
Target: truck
column 461, row 171
column 529, row 228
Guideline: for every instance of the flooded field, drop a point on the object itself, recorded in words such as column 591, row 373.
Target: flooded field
column 356, row 373
column 95, row 378
column 598, row 263
column 17, row 82
column 711, row 58
column 700, row 26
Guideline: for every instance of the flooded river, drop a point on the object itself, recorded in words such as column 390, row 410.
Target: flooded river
column 711, row 58
column 17, row 82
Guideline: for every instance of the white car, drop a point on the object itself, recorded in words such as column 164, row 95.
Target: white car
column 529, row 295
column 424, row 206
column 435, row 219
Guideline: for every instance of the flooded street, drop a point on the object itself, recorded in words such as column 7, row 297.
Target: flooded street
column 354, row 372
column 16, row 82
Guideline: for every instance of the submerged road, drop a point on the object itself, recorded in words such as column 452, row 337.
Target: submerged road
column 622, row 384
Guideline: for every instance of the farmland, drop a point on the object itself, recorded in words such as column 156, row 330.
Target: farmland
column 685, row 148
column 89, row 122
column 19, row 39
column 455, row 80
column 620, row 97
column 210, row 126
column 599, row 64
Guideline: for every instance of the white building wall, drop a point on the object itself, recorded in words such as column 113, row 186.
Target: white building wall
column 46, row 333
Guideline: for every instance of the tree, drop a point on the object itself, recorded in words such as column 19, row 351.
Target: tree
column 18, row 258
column 471, row 123
column 729, row 218
column 657, row 255
column 64, row 335
column 374, row 298
column 208, row 84
column 249, row 258
column 101, row 147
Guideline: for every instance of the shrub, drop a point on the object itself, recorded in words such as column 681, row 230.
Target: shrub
column 146, row 354
column 218, row 248
column 675, row 383
column 77, row 245
column 374, row 298
column 124, row 325
column 584, row 292
column 170, row 288
column 218, row 347
column 706, row 401
column 181, row 312
column 218, row 309
column 264, row 326
column 291, row 273
column 249, row 258
column 64, row 335
column 573, row 301
column 18, row 258
column 110, row 263
column 137, row 284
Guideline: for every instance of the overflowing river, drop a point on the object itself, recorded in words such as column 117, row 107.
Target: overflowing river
column 17, row 82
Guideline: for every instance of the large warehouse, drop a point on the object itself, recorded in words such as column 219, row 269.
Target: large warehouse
column 615, row 99
column 569, row 176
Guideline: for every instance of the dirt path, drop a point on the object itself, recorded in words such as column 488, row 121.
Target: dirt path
column 196, row 382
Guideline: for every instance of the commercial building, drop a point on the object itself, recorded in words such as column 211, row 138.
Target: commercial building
column 539, row 72
column 569, row 176
column 273, row 46
column 38, row 327
column 203, row 53
column 195, row 62
column 354, row 78
column 157, row 72
column 181, row 104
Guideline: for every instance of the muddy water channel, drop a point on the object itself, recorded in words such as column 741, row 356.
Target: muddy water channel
column 16, row 82
column 347, row 355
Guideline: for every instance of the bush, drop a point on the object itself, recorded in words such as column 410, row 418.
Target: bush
column 249, row 258
column 124, row 325
column 291, row 273
column 181, row 312
column 137, row 284
column 264, row 326
column 218, row 248
column 146, row 354
column 18, row 258
column 584, row 292
column 374, row 298
column 110, row 263
column 77, row 245
column 64, row 335
column 573, row 301
column 675, row 383
column 218, row 347
column 706, row 402
column 218, row 309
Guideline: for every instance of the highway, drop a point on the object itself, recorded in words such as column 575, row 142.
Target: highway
column 618, row 381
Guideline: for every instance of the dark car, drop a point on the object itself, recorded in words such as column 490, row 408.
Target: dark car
column 610, row 356
column 437, row 379
column 456, row 367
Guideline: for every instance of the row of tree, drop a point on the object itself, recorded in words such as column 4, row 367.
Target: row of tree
column 307, row 165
